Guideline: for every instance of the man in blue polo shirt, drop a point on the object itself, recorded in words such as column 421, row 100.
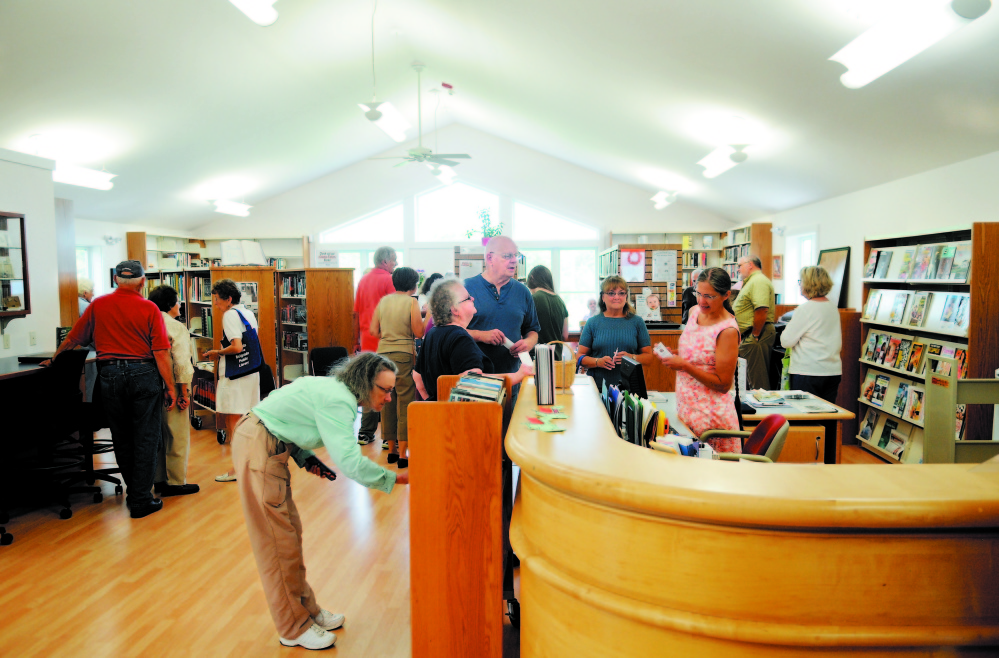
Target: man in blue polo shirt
column 504, row 309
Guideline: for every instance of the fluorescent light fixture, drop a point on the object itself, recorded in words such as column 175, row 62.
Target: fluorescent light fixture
column 899, row 37
column 259, row 11
column 663, row 199
column 718, row 161
column 717, row 128
column 82, row 177
column 232, row 208
column 385, row 116
column 667, row 180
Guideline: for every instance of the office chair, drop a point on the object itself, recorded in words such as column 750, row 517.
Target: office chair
column 93, row 420
column 763, row 444
column 322, row 358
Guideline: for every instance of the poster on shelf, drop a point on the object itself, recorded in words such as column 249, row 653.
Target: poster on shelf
column 248, row 297
column 327, row 256
column 469, row 268
column 647, row 307
column 633, row 265
column 671, row 293
column 664, row 266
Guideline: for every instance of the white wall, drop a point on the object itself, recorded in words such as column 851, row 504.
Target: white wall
column 512, row 171
column 26, row 188
column 955, row 195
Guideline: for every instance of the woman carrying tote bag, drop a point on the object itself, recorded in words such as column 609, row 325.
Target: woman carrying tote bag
column 238, row 388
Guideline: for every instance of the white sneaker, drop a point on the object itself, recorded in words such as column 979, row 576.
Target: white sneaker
column 315, row 638
column 328, row 620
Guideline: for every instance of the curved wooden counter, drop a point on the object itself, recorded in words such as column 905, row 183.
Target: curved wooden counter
column 629, row 552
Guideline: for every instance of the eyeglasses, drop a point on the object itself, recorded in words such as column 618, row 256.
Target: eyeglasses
column 467, row 299
column 386, row 391
column 710, row 298
column 616, row 293
column 512, row 256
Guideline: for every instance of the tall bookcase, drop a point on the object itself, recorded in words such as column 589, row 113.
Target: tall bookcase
column 266, row 311
column 952, row 315
column 752, row 240
column 315, row 309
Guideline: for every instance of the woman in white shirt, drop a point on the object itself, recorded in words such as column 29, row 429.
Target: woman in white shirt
column 816, row 338
column 233, row 397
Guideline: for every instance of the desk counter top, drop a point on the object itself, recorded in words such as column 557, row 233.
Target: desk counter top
column 10, row 367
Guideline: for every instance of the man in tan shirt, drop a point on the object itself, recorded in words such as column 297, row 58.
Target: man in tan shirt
column 754, row 311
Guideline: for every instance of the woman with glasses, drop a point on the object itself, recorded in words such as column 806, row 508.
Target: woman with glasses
column 397, row 323
column 815, row 336
column 707, row 359
column 309, row 413
column 552, row 314
column 612, row 334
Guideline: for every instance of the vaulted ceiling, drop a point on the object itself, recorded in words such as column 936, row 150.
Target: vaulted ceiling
column 174, row 96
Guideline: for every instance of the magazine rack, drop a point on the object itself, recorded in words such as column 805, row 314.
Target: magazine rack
column 943, row 395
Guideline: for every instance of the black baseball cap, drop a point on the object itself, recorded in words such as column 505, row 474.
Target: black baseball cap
column 129, row 269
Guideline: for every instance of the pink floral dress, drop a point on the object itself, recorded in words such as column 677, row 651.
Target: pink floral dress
column 698, row 406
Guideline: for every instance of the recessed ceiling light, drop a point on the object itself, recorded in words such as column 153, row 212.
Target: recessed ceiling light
column 224, row 187
column 663, row 199
column 82, row 177
column 232, row 208
column 900, row 36
column 718, row 128
column 722, row 159
column 384, row 115
column 667, row 180
column 260, row 12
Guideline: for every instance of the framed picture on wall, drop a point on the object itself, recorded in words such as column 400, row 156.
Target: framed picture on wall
column 778, row 267
column 836, row 262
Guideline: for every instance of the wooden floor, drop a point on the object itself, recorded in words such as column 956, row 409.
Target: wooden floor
column 857, row 455
column 183, row 581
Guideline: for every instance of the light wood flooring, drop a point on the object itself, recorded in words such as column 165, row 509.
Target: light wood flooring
column 183, row 582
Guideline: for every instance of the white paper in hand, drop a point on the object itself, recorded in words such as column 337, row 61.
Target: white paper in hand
column 662, row 351
column 507, row 343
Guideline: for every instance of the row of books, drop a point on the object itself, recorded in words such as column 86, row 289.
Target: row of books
column 737, row 252
column 912, row 309
column 929, row 261
column 473, row 387
column 906, row 354
column 205, row 313
column 739, row 235
column 175, row 281
column 906, row 398
column 279, row 263
column 171, row 260
column 296, row 340
column 695, row 259
column 201, row 288
column 294, row 313
column 293, row 285
column 203, row 388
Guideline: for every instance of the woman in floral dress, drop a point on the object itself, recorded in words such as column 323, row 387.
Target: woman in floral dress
column 706, row 363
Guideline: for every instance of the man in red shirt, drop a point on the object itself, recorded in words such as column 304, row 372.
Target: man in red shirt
column 373, row 286
column 133, row 363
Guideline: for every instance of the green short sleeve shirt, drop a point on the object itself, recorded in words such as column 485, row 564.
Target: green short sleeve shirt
column 757, row 292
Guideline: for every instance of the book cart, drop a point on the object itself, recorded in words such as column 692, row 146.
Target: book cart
column 315, row 309
column 926, row 296
column 198, row 282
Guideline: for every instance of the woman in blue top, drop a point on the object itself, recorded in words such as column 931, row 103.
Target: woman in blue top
column 612, row 334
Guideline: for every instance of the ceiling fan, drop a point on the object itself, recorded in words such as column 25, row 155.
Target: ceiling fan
column 421, row 153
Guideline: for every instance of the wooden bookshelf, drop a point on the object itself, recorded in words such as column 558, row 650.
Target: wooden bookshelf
column 751, row 240
column 266, row 318
column 978, row 338
column 329, row 304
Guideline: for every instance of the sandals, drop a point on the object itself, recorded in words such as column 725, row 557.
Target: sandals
column 226, row 477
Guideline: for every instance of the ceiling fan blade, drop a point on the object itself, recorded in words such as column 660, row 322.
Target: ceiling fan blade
column 406, row 161
column 442, row 161
column 395, row 157
column 457, row 156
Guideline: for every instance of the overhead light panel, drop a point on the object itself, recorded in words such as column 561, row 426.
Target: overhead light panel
column 897, row 38
column 663, row 199
column 260, row 12
column 232, row 208
column 82, row 177
column 384, row 115
column 722, row 159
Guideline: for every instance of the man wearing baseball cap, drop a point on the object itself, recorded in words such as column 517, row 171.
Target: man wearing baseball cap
column 133, row 364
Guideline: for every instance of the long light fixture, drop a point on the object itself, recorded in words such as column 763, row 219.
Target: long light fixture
column 384, row 115
column 663, row 199
column 260, row 12
column 896, row 39
column 232, row 208
column 722, row 159
column 82, row 176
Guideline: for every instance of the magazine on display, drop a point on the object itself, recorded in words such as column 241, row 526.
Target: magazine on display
column 896, row 443
column 872, row 263
column 873, row 300
column 949, row 312
column 946, row 261
column 898, row 308
column 914, row 407
column 917, row 316
column 962, row 262
column 915, row 357
column 870, row 422
column 890, row 425
column 931, row 271
column 868, row 389
column 962, row 313
column 901, row 399
column 903, row 354
column 903, row 271
column 884, row 260
column 882, row 349
column 881, row 384
column 869, row 347
column 892, row 353
column 922, row 262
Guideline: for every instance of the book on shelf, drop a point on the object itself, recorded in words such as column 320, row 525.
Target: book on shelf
column 962, row 262
column 867, row 391
column 920, row 302
column 922, row 263
column 890, row 425
column 898, row 308
column 296, row 340
column 206, row 321
column 962, row 313
column 242, row 252
column 278, row 263
column 870, row 422
column 901, row 399
column 897, row 441
column 882, row 348
column 915, row 359
column 931, row 270
column 293, row 285
column 688, row 242
column 473, row 387
column 872, row 263
column 708, row 241
column 881, row 384
column 949, row 312
column 903, row 354
column 870, row 346
column 892, row 353
column 296, row 313
column 914, row 406
column 873, row 300
column 884, row 260
column 946, row 261
column 906, row 265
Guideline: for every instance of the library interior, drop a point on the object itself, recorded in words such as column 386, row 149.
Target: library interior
column 298, row 298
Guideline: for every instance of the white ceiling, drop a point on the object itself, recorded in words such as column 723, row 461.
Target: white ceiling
column 184, row 92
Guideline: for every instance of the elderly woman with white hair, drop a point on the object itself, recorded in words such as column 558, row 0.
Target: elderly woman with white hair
column 85, row 290
column 309, row 413
column 815, row 337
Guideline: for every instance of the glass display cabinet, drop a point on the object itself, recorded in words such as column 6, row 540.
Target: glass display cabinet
column 14, row 299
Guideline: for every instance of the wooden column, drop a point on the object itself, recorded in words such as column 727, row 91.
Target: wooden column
column 69, row 308
column 983, row 338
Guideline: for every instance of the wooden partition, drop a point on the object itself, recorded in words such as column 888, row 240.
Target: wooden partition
column 264, row 278
column 456, row 526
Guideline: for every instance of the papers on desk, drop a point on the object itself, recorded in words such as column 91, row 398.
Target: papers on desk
column 789, row 401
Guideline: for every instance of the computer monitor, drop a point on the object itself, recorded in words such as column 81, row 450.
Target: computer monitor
column 633, row 377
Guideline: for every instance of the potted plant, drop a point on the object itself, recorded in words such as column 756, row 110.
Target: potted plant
column 487, row 230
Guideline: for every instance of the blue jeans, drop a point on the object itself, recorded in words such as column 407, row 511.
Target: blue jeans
column 133, row 401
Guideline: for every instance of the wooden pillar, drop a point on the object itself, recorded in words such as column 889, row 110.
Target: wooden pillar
column 69, row 308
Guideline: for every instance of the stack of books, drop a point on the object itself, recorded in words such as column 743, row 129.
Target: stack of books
column 474, row 387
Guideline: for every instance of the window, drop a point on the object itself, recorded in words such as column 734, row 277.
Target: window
column 533, row 224
column 382, row 226
column 88, row 266
column 353, row 260
column 535, row 257
column 801, row 252
column 577, row 281
column 447, row 213
column 82, row 263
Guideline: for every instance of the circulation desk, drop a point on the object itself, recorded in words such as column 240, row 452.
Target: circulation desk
column 629, row 552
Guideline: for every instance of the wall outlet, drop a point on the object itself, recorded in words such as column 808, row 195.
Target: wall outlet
column 32, row 338
column 6, row 341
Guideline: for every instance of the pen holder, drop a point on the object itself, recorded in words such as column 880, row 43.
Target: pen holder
column 565, row 371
